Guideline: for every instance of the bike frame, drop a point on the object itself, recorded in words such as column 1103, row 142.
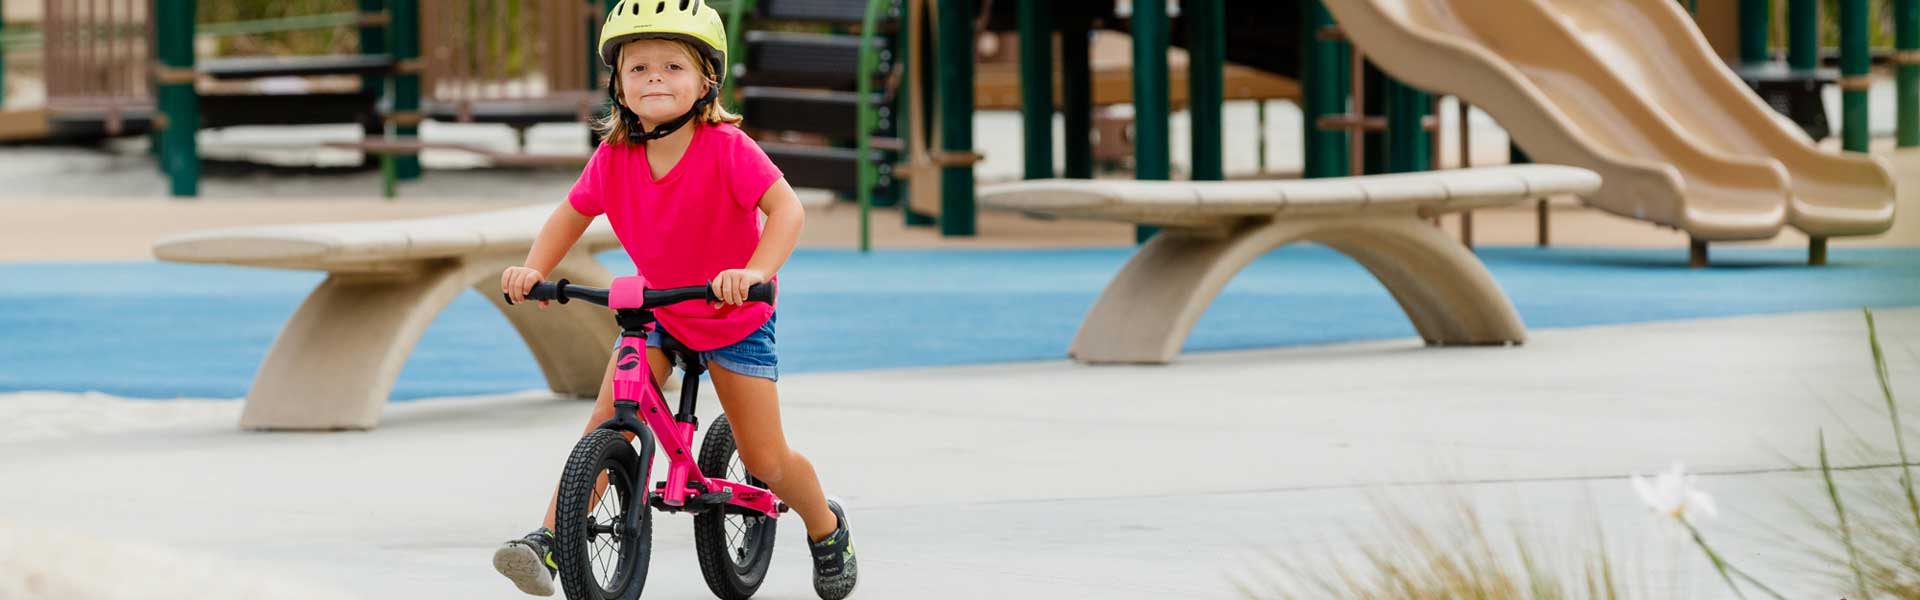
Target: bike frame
column 640, row 409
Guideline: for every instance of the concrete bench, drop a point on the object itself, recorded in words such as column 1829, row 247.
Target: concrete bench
column 334, row 363
column 1213, row 229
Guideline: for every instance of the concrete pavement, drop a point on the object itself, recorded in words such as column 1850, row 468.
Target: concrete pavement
column 1053, row 480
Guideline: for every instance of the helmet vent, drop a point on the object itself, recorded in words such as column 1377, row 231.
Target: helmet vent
column 634, row 9
column 683, row 5
column 696, row 7
column 660, row 8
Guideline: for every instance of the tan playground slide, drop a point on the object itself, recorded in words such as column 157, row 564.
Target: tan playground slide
column 1655, row 44
column 1631, row 90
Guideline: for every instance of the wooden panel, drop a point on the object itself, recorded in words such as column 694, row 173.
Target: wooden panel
column 997, row 86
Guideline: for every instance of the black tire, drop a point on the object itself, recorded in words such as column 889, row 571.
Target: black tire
column 596, row 558
column 735, row 550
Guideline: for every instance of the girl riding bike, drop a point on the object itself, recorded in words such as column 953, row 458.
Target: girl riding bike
column 685, row 190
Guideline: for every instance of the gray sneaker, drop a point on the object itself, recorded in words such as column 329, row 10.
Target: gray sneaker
column 835, row 571
column 528, row 561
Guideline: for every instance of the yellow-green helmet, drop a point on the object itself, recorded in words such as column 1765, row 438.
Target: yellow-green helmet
column 688, row 20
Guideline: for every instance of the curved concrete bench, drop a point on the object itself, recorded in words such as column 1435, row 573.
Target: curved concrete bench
column 334, row 363
column 1213, row 229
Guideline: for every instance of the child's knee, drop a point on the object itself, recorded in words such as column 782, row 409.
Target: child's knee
column 768, row 467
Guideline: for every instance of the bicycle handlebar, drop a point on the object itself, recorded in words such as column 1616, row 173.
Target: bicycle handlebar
column 561, row 291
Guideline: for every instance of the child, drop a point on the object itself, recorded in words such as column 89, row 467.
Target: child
column 684, row 189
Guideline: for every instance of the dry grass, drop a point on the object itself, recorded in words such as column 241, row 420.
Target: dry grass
column 1875, row 527
column 1878, row 528
column 1457, row 558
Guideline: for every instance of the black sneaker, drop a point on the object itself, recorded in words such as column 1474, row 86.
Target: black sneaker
column 528, row 561
column 835, row 570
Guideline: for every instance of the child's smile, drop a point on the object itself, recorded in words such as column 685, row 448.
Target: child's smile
column 659, row 80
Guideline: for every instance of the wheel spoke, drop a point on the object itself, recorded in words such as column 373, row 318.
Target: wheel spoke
column 731, row 532
column 608, row 528
column 739, row 546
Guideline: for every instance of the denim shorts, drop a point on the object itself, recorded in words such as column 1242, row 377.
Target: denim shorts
column 752, row 356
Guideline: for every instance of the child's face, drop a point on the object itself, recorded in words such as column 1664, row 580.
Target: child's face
column 659, row 80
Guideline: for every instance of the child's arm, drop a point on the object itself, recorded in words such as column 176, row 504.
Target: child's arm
column 555, row 239
column 785, row 216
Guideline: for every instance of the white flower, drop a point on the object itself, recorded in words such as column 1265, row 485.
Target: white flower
column 1672, row 493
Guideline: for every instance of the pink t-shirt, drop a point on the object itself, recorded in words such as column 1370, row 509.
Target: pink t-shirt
column 684, row 228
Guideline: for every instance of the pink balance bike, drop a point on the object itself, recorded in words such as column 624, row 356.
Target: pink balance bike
column 603, row 531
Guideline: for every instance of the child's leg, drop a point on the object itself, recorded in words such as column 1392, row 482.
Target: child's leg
column 752, row 405
column 528, row 561
column 603, row 410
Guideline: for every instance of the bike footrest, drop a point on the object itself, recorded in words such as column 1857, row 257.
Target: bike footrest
column 696, row 502
column 723, row 496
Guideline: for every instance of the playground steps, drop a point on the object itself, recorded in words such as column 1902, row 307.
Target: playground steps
column 822, row 112
column 797, row 91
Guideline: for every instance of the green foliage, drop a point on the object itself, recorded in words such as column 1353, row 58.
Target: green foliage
column 1879, row 24
column 331, row 40
column 502, row 40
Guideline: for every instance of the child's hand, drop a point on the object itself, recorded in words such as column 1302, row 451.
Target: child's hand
column 731, row 285
column 516, row 282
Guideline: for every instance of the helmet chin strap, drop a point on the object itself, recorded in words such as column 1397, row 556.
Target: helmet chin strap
column 639, row 135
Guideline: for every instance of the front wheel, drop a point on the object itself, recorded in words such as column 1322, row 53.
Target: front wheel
column 734, row 549
column 603, row 531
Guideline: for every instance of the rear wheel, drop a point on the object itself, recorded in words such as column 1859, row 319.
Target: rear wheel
column 734, row 549
column 601, row 544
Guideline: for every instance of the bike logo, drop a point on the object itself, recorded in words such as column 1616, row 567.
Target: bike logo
column 629, row 358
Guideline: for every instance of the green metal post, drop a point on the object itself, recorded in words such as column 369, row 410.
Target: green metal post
column 1150, row 102
column 173, row 28
column 404, row 28
column 1754, row 17
column 1325, row 93
column 373, row 40
column 956, row 115
column 1854, row 62
column 869, row 119
column 1036, row 86
column 387, row 187
column 899, row 111
column 1076, row 94
column 736, row 51
column 3, row 54
column 1906, row 34
column 1206, row 85
column 1803, row 34
column 1409, row 148
column 1260, row 141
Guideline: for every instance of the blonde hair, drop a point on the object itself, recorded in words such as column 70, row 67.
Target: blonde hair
column 614, row 129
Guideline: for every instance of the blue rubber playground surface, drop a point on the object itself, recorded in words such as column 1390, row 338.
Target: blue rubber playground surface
column 162, row 330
